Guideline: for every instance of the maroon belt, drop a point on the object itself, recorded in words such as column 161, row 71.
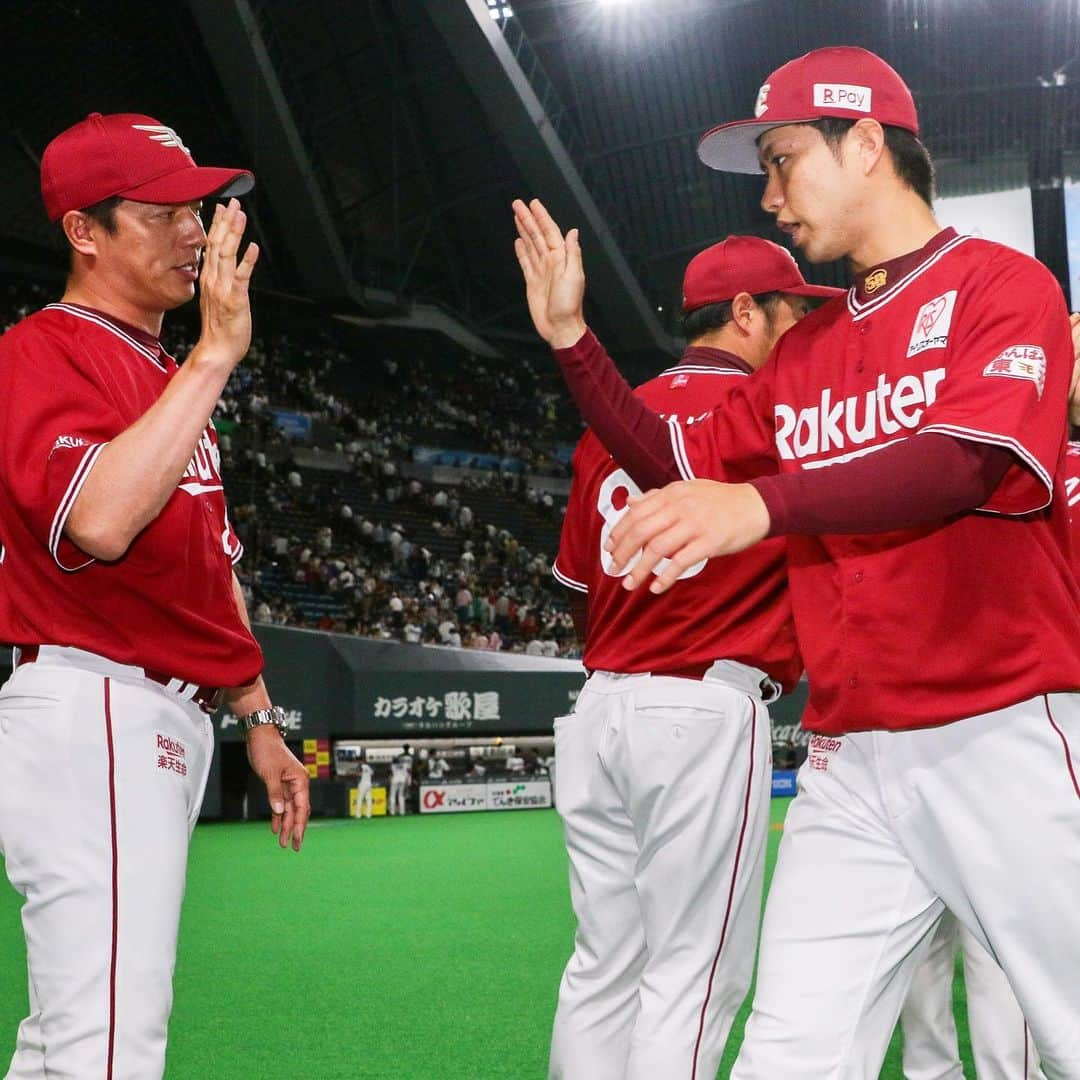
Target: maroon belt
column 208, row 698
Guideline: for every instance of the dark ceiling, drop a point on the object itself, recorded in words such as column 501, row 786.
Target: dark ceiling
column 416, row 176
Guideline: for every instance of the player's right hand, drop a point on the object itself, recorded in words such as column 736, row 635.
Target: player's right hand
column 684, row 522
column 554, row 274
column 223, row 288
column 287, row 784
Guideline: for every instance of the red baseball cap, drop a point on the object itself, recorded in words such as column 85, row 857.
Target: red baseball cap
column 839, row 81
column 744, row 264
column 129, row 155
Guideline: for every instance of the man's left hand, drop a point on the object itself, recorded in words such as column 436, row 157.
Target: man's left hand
column 286, row 781
column 686, row 522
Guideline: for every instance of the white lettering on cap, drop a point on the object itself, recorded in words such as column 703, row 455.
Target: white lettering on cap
column 842, row 96
column 762, row 98
column 161, row 134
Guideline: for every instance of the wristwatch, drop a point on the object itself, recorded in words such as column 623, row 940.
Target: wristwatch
column 274, row 715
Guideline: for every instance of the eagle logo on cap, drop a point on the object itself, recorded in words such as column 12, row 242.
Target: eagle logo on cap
column 762, row 99
column 160, row 133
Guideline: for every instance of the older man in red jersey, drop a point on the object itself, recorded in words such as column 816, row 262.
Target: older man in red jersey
column 117, row 586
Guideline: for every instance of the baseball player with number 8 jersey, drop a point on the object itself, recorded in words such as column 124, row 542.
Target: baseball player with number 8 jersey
column 663, row 783
column 117, row 589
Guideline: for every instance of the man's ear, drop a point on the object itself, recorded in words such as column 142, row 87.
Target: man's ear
column 867, row 139
column 81, row 231
column 743, row 311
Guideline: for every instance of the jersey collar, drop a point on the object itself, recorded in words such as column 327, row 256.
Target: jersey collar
column 870, row 286
column 707, row 356
column 145, row 339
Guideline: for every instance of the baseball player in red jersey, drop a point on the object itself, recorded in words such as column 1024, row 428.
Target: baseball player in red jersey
column 117, row 587
column 663, row 780
column 917, row 434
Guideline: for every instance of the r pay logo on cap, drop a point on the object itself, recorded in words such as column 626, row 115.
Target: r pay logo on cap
column 762, row 99
column 842, row 96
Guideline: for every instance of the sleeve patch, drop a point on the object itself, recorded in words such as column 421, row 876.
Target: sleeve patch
column 1020, row 362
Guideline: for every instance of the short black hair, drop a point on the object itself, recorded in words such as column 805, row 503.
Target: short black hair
column 910, row 158
column 700, row 321
column 104, row 213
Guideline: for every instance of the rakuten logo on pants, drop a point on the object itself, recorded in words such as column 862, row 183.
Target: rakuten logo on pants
column 859, row 419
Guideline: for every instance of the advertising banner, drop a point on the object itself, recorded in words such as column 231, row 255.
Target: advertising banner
column 519, row 795
column 296, row 425
column 378, row 801
column 452, row 798
column 783, row 783
column 533, row 794
column 336, row 686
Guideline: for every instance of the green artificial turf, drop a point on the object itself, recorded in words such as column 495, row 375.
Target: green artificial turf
column 425, row 947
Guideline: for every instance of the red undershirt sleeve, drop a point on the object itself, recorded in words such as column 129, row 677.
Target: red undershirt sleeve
column 922, row 479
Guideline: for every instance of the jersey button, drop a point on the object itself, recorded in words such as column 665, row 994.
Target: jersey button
column 864, row 328
column 853, row 682
column 857, row 576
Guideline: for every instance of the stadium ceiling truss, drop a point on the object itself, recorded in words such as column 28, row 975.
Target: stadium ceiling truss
column 414, row 123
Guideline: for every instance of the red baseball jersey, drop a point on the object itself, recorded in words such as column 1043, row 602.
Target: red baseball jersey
column 926, row 625
column 71, row 379
column 735, row 608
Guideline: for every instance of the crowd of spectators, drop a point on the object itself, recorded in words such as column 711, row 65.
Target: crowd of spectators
column 482, row 589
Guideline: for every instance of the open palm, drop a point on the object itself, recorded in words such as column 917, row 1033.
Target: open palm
column 553, row 271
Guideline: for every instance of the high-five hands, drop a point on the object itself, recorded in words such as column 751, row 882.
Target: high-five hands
column 554, row 274
column 224, row 301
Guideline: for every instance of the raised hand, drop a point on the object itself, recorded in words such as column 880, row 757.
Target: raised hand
column 554, row 274
column 224, row 281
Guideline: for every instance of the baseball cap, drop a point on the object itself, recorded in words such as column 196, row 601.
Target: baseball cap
column 130, row 155
column 842, row 81
column 744, row 264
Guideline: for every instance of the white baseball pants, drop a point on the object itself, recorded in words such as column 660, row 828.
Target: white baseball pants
column 663, row 786
column 101, row 780
column 981, row 816
column 363, row 800
column 397, row 796
column 1000, row 1039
